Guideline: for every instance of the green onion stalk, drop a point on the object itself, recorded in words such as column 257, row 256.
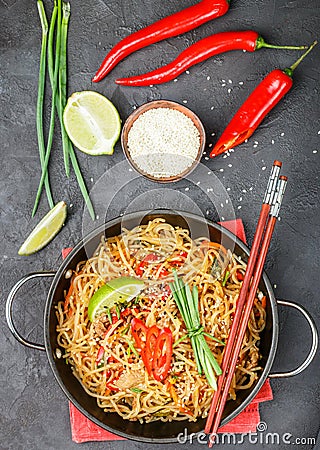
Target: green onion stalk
column 40, row 99
column 187, row 302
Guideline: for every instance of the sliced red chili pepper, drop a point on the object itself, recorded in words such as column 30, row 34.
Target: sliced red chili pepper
column 139, row 332
column 240, row 275
column 259, row 103
column 147, row 354
column 151, row 257
column 140, row 269
column 162, row 355
column 163, row 273
column 200, row 51
column 100, row 354
column 173, row 25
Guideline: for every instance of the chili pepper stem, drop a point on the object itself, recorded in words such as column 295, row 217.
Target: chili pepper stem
column 261, row 43
column 290, row 69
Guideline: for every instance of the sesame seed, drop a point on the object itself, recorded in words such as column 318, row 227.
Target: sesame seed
column 240, row 199
column 184, row 101
column 229, row 90
column 229, row 165
column 228, row 189
column 319, row 132
column 282, row 134
column 175, row 80
column 207, row 212
column 244, row 191
column 97, row 217
column 264, row 168
column 275, row 286
column 272, row 141
column 204, row 153
column 227, row 201
column 213, row 134
column 230, row 81
column 239, row 207
column 223, row 81
column 206, row 158
column 91, row 179
column 246, row 140
column 209, row 173
column 256, row 142
column 221, row 204
column 187, row 72
column 251, row 188
column 71, row 205
column 222, row 218
column 208, row 77
column 187, row 189
column 210, row 145
column 241, row 83
column 314, row 151
column 255, row 146
column 221, row 170
column 223, row 84
column 212, row 107
column 198, row 182
column 130, row 170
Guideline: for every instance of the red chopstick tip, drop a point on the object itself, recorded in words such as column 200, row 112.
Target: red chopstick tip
column 283, row 177
column 277, row 163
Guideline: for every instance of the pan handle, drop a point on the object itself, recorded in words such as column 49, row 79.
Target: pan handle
column 314, row 345
column 9, row 311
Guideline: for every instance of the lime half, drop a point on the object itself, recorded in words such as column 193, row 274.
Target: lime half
column 118, row 290
column 92, row 122
column 45, row 231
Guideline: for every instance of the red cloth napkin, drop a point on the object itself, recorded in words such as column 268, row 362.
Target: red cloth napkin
column 83, row 430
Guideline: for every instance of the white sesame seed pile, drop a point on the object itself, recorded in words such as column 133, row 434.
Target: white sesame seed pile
column 163, row 142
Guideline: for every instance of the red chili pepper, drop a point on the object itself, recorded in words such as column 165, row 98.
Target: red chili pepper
column 140, row 269
column 240, row 276
column 139, row 330
column 147, row 355
column 163, row 273
column 151, row 257
column 100, row 354
column 162, row 355
column 173, row 25
column 200, row 51
column 262, row 100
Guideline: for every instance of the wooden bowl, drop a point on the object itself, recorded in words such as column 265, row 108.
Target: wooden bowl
column 162, row 104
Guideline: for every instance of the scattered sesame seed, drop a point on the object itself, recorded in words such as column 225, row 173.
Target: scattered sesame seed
column 97, row 217
column 187, row 189
column 282, row 134
column 209, row 173
column 212, row 107
column 91, row 179
column 264, row 168
column 213, row 134
column 244, row 191
column 315, row 151
column 187, row 72
column 204, row 153
column 240, row 199
column 184, row 101
column 279, row 218
column 130, row 170
column 175, row 80
column 256, row 142
column 210, row 145
column 229, row 90
column 223, row 84
column 71, row 205
column 227, row 201
column 206, row 158
column 244, row 51
column 251, row 189
column 134, row 107
column 275, row 286
column 230, row 81
column 221, row 170
column 222, row 218
column 319, row 132
column 208, row 77
column 272, row 141
column 207, row 212
column 255, row 146
column 231, row 150
column 225, row 156
column 229, row 165
column 198, row 182
column 221, row 204
column 223, row 81
column 239, row 207
column 228, row 189
column 241, row 83
column 246, row 140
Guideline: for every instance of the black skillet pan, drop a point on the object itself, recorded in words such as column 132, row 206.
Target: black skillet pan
column 158, row 432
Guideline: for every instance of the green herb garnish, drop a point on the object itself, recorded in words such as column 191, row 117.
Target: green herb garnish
column 187, row 303
column 225, row 279
column 136, row 390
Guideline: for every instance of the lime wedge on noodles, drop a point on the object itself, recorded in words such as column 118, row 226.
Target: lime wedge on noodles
column 92, row 122
column 45, row 231
column 118, row 290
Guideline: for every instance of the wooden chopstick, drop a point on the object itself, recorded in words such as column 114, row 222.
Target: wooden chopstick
column 249, row 303
column 270, row 198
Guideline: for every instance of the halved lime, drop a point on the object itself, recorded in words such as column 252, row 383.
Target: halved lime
column 92, row 122
column 118, row 290
column 45, row 231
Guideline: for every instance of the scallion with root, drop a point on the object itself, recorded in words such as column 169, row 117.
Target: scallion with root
column 187, row 303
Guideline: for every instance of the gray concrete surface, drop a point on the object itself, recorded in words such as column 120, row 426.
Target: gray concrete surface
column 34, row 411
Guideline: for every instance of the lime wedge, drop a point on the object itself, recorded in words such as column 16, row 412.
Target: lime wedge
column 92, row 123
column 45, row 231
column 118, row 290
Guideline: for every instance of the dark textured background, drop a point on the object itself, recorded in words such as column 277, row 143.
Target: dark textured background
column 34, row 412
